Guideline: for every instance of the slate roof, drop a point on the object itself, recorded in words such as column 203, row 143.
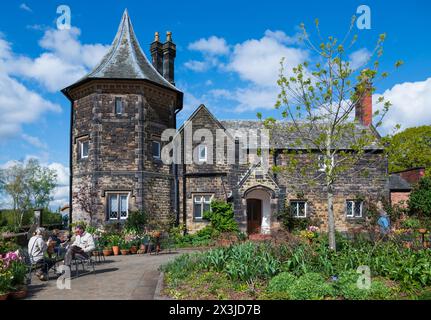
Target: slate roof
column 126, row 60
column 396, row 182
column 284, row 135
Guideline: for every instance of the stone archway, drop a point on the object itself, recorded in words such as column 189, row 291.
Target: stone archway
column 257, row 204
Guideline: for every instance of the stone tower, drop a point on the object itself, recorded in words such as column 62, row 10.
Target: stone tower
column 118, row 113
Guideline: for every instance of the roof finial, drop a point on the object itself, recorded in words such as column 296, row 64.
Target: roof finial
column 156, row 36
column 168, row 36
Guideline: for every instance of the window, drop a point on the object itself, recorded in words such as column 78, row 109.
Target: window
column 118, row 105
column 298, row 209
column 84, row 146
column 354, row 208
column 118, row 206
column 156, row 149
column 201, row 203
column 258, row 173
column 322, row 165
column 202, row 153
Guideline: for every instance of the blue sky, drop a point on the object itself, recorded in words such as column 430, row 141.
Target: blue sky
column 226, row 53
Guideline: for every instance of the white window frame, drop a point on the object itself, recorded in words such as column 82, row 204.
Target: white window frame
column 118, row 194
column 204, row 147
column 121, row 105
column 159, row 148
column 81, row 148
column 200, row 199
column 322, row 165
column 297, row 202
column 351, row 215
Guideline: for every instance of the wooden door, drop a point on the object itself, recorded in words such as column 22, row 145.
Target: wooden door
column 254, row 215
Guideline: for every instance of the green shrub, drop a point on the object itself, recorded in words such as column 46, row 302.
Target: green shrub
column 221, row 217
column 420, row 198
column 310, row 286
column 347, row 287
column 281, row 282
column 136, row 221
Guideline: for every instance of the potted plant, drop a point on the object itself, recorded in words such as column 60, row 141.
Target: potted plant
column 19, row 272
column 124, row 248
column 6, row 277
column 107, row 251
column 115, row 240
column 134, row 247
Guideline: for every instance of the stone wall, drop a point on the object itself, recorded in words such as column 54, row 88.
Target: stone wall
column 120, row 155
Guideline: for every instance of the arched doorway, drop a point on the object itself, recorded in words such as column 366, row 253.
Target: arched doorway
column 258, row 211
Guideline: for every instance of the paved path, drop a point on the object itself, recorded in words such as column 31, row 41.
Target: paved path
column 131, row 277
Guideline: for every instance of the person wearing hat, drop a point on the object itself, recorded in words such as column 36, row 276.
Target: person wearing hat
column 37, row 249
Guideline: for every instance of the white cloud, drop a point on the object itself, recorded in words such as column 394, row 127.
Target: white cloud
column 212, row 46
column 19, row 106
column 65, row 60
column 25, row 7
column 34, row 141
column 359, row 58
column 258, row 61
column 197, row 66
column 411, row 103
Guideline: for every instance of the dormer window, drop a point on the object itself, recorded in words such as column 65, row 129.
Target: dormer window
column 118, row 105
column 202, row 153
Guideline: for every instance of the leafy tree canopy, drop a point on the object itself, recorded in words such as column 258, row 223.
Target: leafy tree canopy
column 410, row 148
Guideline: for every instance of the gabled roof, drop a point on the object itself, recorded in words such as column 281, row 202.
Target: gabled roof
column 125, row 60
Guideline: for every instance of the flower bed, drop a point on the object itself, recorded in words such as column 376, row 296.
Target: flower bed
column 300, row 270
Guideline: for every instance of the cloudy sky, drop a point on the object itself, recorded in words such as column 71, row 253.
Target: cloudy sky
column 228, row 55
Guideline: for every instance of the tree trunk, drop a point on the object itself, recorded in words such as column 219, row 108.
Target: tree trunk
column 331, row 220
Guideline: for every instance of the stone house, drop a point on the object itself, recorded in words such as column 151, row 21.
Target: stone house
column 119, row 112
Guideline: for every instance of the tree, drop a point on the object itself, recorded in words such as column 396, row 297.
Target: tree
column 409, row 149
column 85, row 198
column 29, row 186
column 420, row 199
column 318, row 100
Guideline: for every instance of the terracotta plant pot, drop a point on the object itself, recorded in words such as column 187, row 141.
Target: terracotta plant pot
column 124, row 251
column 107, row 252
column 133, row 249
column 407, row 245
column 3, row 296
column 20, row 294
column 116, row 250
column 143, row 248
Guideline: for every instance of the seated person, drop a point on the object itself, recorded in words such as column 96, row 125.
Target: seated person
column 55, row 244
column 37, row 248
column 82, row 246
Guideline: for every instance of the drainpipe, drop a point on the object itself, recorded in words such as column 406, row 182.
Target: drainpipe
column 176, row 182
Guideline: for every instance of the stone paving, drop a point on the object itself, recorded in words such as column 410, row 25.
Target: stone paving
column 130, row 277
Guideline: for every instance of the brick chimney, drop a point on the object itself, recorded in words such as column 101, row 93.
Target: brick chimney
column 156, row 50
column 169, row 53
column 364, row 106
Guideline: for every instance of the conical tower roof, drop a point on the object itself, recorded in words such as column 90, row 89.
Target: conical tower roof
column 125, row 60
